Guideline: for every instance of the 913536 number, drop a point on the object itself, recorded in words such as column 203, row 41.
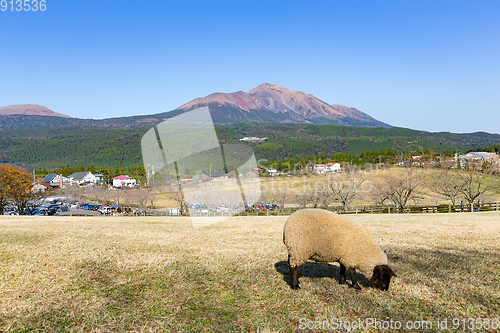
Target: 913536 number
column 23, row 5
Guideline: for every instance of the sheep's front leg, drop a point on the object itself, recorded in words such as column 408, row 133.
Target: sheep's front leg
column 342, row 274
column 355, row 284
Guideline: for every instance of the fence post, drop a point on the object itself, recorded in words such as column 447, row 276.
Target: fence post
column 389, row 210
column 497, row 207
column 449, row 208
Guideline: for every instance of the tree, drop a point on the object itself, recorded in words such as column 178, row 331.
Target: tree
column 471, row 183
column 446, row 185
column 401, row 188
column 345, row 187
column 181, row 201
column 319, row 196
column 16, row 185
column 144, row 195
column 302, row 198
column 74, row 192
column 280, row 197
column 4, row 181
column 379, row 192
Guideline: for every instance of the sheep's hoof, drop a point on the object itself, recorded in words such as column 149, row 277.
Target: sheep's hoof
column 295, row 286
column 342, row 281
column 358, row 288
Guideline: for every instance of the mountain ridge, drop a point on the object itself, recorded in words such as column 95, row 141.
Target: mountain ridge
column 297, row 107
column 29, row 110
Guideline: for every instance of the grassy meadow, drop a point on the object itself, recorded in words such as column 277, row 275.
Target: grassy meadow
column 158, row 274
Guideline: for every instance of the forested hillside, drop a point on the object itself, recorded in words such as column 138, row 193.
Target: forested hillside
column 62, row 147
column 118, row 147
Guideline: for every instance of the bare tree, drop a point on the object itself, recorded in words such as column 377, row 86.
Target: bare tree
column 446, row 185
column 401, row 188
column 319, row 196
column 181, row 201
column 129, row 198
column 379, row 193
column 302, row 198
column 346, row 187
column 279, row 196
column 143, row 196
column 117, row 196
column 471, row 183
column 74, row 192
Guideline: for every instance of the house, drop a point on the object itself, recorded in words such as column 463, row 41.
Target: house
column 327, row 168
column 37, row 187
column 100, row 178
column 53, row 180
column 333, row 167
column 272, row 171
column 319, row 168
column 83, row 178
column 124, row 181
column 253, row 139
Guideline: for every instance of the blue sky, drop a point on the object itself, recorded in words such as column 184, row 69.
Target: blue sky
column 427, row 65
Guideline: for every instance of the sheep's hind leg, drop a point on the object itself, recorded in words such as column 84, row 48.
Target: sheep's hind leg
column 342, row 274
column 294, row 275
column 355, row 284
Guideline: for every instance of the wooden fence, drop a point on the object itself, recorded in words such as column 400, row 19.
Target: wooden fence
column 487, row 206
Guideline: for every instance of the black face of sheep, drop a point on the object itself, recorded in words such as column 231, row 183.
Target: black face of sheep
column 382, row 275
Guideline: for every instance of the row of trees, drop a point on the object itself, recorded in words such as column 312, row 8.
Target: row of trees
column 138, row 197
column 399, row 188
column 386, row 156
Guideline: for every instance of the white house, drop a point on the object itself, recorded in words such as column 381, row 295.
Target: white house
column 83, row 178
column 327, row 168
column 272, row 171
column 333, row 167
column 319, row 168
column 124, row 181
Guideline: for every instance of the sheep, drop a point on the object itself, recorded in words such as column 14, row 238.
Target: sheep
column 324, row 236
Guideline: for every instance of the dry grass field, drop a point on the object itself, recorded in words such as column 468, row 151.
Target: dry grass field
column 152, row 274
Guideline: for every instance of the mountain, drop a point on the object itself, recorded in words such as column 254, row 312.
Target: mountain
column 267, row 103
column 274, row 104
column 29, row 110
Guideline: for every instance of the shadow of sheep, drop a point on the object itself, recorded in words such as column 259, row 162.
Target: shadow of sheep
column 317, row 270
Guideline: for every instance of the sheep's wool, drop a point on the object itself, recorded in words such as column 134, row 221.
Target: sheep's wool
column 324, row 236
